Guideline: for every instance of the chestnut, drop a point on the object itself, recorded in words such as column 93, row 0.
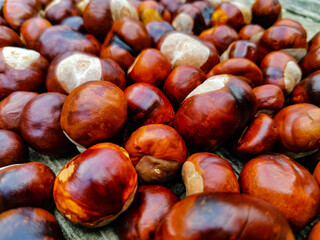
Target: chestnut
column 157, row 152
column 58, row 10
column 284, row 183
column 8, row 37
column 311, row 61
column 13, row 150
column 76, row 23
column 251, row 32
column 206, row 10
column 172, row 5
column 29, row 223
column 207, row 172
column 150, row 205
column 183, row 49
column 223, row 216
column 21, row 70
column 315, row 41
column 148, row 105
column 71, row 69
column 315, row 232
column 94, row 112
column 281, row 69
column 95, row 187
column 266, row 12
column 316, row 173
column 149, row 11
column 157, row 29
column 181, row 81
column 26, row 185
column 151, row 66
column 11, row 109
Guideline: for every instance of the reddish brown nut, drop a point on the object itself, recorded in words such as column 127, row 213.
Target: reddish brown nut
column 29, row 223
column 316, row 173
column 266, row 12
column 76, row 23
column 95, row 187
column 291, row 189
column 172, row 5
column 281, row 69
column 207, row 172
column 183, row 49
column 71, row 69
column 206, row 11
column 8, row 37
column 240, row 67
column 299, row 128
column 314, row 234
column 230, row 215
column 241, row 49
column 269, row 97
column 26, row 185
column 13, row 150
column 291, row 23
column 311, row 61
column 181, row 81
column 151, row 204
column 259, row 137
column 11, row 109
column 21, row 70
column 148, row 105
column 214, row 110
column 157, row 29
column 31, row 31
column 251, row 32
column 99, row 15
column 60, row 39
column 157, row 151
column 94, row 112
column 40, row 124
column 149, row 11
column 315, row 41
column 234, row 14
column 220, row 36
column 57, row 10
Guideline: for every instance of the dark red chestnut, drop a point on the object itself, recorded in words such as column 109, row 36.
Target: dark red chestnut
column 315, row 41
column 8, row 37
column 58, row 10
column 266, row 12
column 157, row 29
column 316, row 173
column 314, row 234
column 251, row 32
column 241, row 49
column 311, row 61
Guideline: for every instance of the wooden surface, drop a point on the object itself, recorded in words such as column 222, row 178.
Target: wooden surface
column 307, row 12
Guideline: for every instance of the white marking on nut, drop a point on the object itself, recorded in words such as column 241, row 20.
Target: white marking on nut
column 122, row 8
column 292, row 76
column 296, row 53
column 19, row 58
column 183, row 23
column 245, row 10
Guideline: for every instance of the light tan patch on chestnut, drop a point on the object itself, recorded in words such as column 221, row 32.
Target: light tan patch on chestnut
column 296, row 53
column 51, row 4
column 256, row 37
column 133, row 64
column 245, row 10
column 19, row 58
column 225, row 55
column 82, row 5
column 192, row 179
column 292, row 76
column 183, row 23
column 66, row 173
column 122, row 8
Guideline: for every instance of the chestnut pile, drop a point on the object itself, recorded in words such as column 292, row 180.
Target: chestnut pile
column 147, row 91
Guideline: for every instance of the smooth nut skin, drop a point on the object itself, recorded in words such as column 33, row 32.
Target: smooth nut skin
column 76, row 23
column 96, row 186
column 240, row 67
column 71, row 69
column 94, row 112
column 148, row 105
column 221, row 36
column 231, row 215
column 21, row 70
column 181, row 81
column 157, row 29
column 259, row 137
column 157, row 151
column 311, row 61
column 316, row 173
column 291, row 189
column 13, row 149
column 206, row 11
column 11, row 109
column 29, row 223
column 40, row 124
column 315, row 41
column 214, row 110
column 299, row 128
column 151, row 204
column 251, row 32
column 207, row 172
column 270, row 98
column 8, row 37
column 150, row 11
column 60, row 39
column 291, row 23
column 58, row 10
column 241, row 49
column 266, row 12
column 314, row 234
column 26, row 185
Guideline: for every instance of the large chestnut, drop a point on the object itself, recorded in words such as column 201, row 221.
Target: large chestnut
column 314, row 234
column 157, row 29
column 95, row 187
column 207, row 172
column 266, row 12
column 26, row 185
column 150, row 205
column 223, row 216
column 285, row 184
column 157, row 151
column 8, row 37
column 311, row 61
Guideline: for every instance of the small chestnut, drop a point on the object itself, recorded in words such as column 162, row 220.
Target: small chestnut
column 251, row 32
column 266, row 12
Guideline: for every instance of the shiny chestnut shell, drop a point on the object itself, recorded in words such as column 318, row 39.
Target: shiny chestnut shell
column 266, row 12
column 311, row 62
column 8, row 37
column 157, row 29
column 315, row 232
column 251, row 32
column 56, row 11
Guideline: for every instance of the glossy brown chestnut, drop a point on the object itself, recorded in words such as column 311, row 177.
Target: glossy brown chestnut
column 207, row 172
column 26, row 185
column 284, row 183
column 230, row 215
column 266, row 12
column 281, row 69
column 150, row 11
column 71, row 69
column 311, row 61
column 221, row 36
column 58, row 10
column 298, row 128
column 241, row 49
column 60, row 39
column 181, row 81
column 315, row 41
column 8, row 37
column 251, row 32
column 314, row 234
column 13, row 150
column 148, row 105
column 11, row 109
column 291, row 23
column 21, row 70
column 157, row 151
column 157, row 29
column 94, row 112
column 76, row 23
column 29, row 223
column 214, row 110
column 316, row 173
column 95, row 187
column 150, row 205
column 206, row 11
